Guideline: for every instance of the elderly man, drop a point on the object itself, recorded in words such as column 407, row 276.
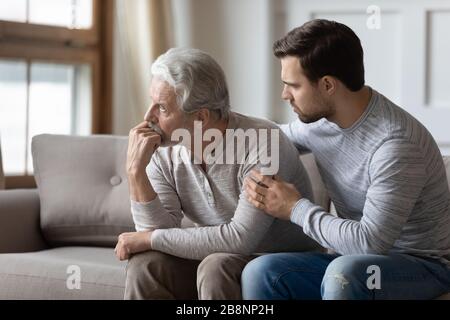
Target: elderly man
column 169, row 181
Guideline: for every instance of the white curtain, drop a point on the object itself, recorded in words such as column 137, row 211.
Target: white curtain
column 143, row 31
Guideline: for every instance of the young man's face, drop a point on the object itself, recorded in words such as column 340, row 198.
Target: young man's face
column 304, row 96
column 164, row 112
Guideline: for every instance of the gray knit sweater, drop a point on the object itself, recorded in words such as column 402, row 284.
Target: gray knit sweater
column 387, row 179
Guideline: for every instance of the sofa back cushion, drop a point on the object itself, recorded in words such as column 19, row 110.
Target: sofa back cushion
column 82, row 188
column 447, row 168
column 320, row 193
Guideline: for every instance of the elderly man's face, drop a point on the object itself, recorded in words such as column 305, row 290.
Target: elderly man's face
column 164, row 111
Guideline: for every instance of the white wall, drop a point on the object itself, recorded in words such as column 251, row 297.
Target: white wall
column 237, row 34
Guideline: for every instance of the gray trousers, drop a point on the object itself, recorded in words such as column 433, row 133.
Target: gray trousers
column 156, row 275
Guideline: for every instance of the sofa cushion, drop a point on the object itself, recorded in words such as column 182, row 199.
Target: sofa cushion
column 53, row 274
column 82, row 188
column 447, row 168
column 19, row 221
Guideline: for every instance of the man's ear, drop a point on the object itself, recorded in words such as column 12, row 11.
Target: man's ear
column 328, row 84
column 203, row 115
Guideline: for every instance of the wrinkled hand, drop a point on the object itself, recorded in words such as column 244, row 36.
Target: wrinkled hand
column 274, row 196
column 132, row 242
column 142, row 143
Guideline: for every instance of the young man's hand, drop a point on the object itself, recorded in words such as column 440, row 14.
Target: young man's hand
column 131, row 243
column 274, row 196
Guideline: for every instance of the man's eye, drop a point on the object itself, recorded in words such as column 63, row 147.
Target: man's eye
column 162, row 108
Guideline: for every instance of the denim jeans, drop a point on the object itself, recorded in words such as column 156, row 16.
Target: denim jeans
column 315, row 276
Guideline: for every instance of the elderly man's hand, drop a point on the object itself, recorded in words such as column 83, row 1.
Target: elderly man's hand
column 132, row 242
column 142, row 143
column 274, row 196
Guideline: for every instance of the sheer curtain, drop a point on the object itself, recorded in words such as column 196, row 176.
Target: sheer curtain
column 143, row 31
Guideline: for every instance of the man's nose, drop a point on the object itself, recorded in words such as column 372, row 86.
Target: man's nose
column 151, row 115
column 285, row 94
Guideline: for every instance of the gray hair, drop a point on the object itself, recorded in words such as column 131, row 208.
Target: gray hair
column 198, row 80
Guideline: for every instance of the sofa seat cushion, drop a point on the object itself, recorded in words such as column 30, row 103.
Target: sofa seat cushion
column 83, row 189
column 50, row 274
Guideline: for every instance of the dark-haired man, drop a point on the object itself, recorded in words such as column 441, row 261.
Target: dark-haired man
column 383, row 171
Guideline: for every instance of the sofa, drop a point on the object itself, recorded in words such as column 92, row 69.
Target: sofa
column 68, row 226
column 57, row 241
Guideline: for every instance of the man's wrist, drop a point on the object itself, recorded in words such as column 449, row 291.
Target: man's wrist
column 140, row 187
column 291, row 206
column 300, row 210
column 136, row 173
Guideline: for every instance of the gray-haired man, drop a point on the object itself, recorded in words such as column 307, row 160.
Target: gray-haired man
column 166, row 184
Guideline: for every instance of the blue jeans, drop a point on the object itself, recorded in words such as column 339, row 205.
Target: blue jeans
column 315, row 276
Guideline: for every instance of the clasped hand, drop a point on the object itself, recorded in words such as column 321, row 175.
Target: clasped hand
column 271, row 194
column 132, row 242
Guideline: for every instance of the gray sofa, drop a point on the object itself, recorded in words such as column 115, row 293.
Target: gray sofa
column 57, row 242
column 67, row 227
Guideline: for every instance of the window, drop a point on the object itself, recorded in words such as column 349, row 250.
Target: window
column 26, row 109
column 55, row 75
column 74, row 14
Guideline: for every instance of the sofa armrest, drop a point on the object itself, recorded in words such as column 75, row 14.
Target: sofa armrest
column 19, row 221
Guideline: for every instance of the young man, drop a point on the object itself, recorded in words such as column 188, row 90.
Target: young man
column 198, row 181
column 383, row 171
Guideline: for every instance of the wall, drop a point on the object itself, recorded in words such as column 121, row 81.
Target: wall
column 237, row 34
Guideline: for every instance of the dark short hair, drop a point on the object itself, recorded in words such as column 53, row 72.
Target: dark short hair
column 325, row 48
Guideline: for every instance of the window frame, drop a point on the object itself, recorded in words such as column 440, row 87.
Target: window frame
column 54, row 44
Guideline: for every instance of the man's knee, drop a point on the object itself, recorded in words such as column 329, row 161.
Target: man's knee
column 219, row 274
column 212, row 264
column 145, row 262
column 256, row 278
column 265, row 267
column 157, row 275
column 258, row 268
column 345, row 278
column 143, row 274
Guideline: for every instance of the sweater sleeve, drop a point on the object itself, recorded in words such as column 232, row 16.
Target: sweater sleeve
column 165, row 210
column 397, row 176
